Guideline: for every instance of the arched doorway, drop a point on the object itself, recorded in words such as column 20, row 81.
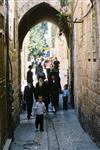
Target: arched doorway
column 39, row 13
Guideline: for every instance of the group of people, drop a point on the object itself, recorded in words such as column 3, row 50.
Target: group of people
column 45, row 91
column 47, row 64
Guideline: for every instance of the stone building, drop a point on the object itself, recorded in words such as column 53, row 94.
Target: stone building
column 14, row 55
column 9, row 70
column 87, row 65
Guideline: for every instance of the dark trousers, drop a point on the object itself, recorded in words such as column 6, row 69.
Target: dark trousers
column 46, row 105
column 48, row 72
column 55, row 101
column 39, row 121
column 65, row 103
column 29, row 109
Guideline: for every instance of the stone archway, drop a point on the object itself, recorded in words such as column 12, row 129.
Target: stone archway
column 37, row 14
column 45, row 12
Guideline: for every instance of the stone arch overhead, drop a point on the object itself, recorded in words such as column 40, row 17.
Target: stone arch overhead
column 25, row 5
column 37, row 14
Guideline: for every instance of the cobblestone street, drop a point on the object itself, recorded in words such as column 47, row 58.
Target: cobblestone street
column 62, row 131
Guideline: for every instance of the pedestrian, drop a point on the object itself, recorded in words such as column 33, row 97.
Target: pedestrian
column 42, row 89
column 39, row 68
column 28, row 98
column 56, row 64
column 39, row 112
column 65, row 97
column 48, row 66
column 54, row 90
column 30, row 75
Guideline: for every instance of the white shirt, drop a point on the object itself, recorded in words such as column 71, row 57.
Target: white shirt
column 39, row 108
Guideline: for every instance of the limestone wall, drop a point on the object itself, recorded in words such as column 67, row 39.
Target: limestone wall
column 87, row 67
column 62, row 53
column 15, row 59
column 24, row 59
column 3, row 103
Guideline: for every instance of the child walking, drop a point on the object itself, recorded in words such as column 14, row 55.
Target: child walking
column 65, row 97
column 39, row 111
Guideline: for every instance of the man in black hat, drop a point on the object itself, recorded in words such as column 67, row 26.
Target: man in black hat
column 28, row 98
column 54, row 89
column 42, row 89
column 30, row 75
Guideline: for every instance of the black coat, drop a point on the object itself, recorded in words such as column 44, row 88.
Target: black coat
column 28, row 94
column 42, row 90
column 54, row 88
column 30, row 76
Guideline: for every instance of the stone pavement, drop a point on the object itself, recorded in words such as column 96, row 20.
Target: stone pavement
column 69, row 134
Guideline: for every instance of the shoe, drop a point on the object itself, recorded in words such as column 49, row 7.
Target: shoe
column 42, row 130
column 28, row 117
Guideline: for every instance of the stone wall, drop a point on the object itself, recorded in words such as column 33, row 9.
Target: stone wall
column 15, row 59
column 87, row 66
column 3, row 103
column 60, row 46
column 24, row 60
column 9, row 70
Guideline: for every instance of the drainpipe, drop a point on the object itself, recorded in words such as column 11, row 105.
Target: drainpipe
column 71, row 70
column 72, row 75
column 9, row 91
column 72, row 62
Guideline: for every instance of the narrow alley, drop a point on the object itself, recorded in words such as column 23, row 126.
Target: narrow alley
column 50, row 48
column 62, row 131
